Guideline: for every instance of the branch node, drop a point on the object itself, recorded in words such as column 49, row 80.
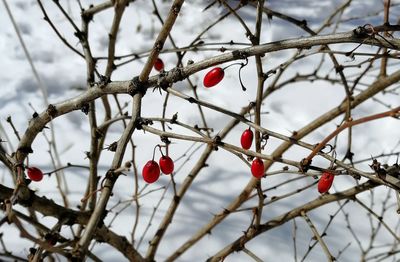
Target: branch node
column 175, row 9
column 237, row 54
column 142, row 121
column 165, row 140
column 104, row 80
column 51, row 111
column 177, row 74
column 305, row 164
column 136, row 86
column 85, row 108
column 158, row 46
column 25, row 150
column 360, row 32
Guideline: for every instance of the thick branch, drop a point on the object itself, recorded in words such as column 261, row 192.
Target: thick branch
column 45, row 206
column 328, row 116
column 238, row 244
column 37, row 124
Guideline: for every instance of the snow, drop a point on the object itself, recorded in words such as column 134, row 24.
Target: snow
column 217, row 185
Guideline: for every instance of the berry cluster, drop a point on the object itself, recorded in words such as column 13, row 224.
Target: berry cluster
column 151, row 171
column 212, row 78
column 257, row 166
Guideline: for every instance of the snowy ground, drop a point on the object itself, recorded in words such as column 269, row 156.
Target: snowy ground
column 289, row 109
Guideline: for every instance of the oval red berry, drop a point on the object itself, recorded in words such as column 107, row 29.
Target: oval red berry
column 151, row 172
column 246, row 139
column 166, row 165
column 213, row 77
column 158, row 64
column 325, row 182
column 257, row 168
column 35, row 174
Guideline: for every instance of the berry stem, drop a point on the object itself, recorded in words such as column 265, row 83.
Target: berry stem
column 159, row 147
column 240, row 75
column 154, row 151
column 231, row 65
column 240, row 69
column 249, row 114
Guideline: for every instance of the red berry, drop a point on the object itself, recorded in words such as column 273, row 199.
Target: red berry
column 213, row 77
column 247, row 138
column 159, row 64
column 35, row 174
column 257, row 168
column 166, row 165
column 151, row 172
column 325, row 182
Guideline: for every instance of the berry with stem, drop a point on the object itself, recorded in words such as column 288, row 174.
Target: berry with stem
column 151, row 172
column 35, row 174
column 246, row 139
column 165, row 162
column 213, row 77
column 166, row 165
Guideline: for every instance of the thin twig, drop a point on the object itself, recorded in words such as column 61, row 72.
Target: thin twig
column 328, row 254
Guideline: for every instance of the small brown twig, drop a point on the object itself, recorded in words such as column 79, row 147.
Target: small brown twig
column 47, row 19
column 391, row 113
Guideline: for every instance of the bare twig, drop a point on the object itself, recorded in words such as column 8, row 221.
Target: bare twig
column 328, row 254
